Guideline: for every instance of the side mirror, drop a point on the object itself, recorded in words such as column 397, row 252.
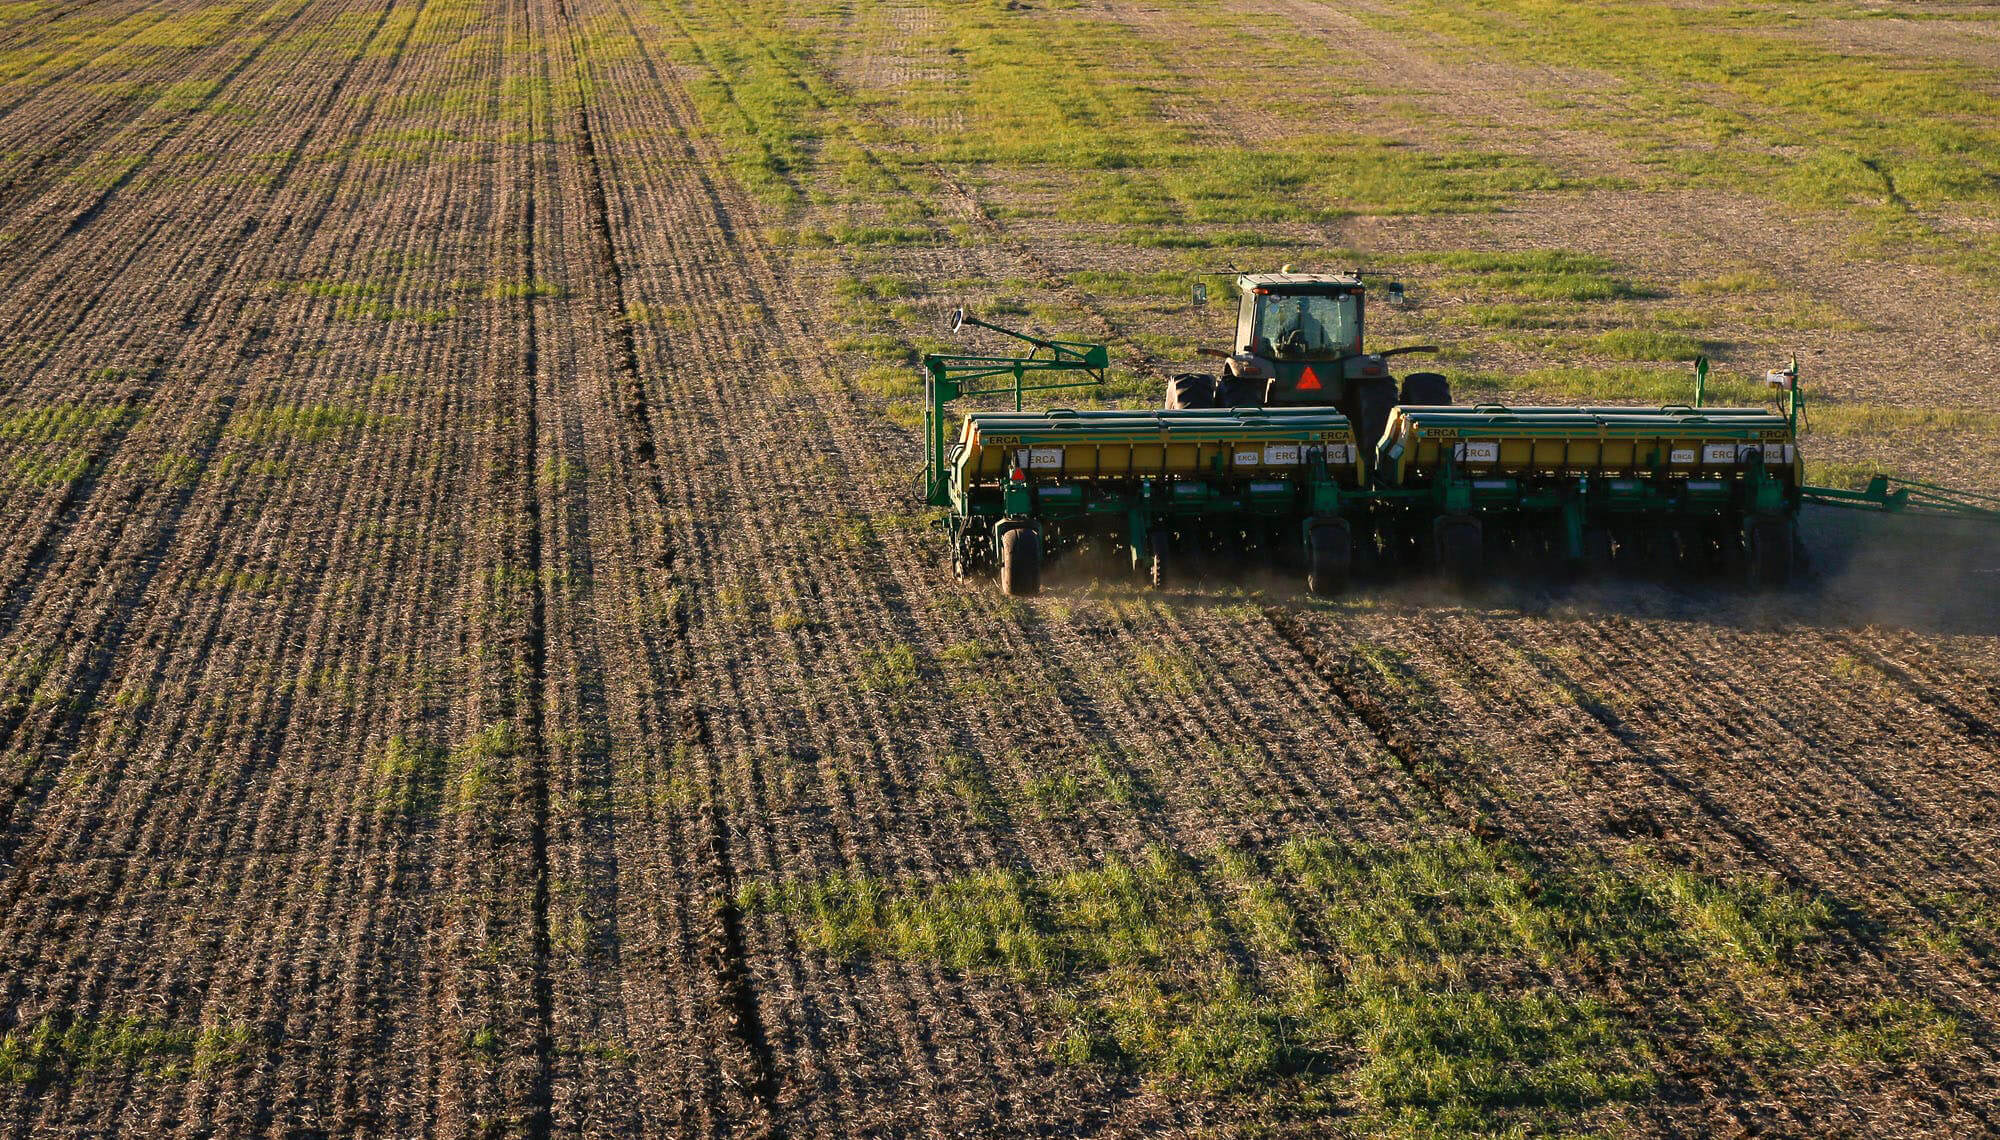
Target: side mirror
column 1199, row 295
column 1395, row 293
column 958, row 318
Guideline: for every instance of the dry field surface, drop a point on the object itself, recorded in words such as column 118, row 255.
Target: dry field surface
column 470, row 663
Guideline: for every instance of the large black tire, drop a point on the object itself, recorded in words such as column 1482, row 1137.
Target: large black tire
column 1238, row 392
column 1769, row 542
column 1329, row 556
column 1191, row 390
column 1375, row 399
column 1021, row 562
column 1426, row 388
column 1459, row 542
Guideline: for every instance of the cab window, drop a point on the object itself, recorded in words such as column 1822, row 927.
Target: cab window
column 1307, row 326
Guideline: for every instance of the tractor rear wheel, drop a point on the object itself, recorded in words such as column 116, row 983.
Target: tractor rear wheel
column 1238, row 392
column 1427, row 389
column 1460, row 544
column 1191, row 390
column 1768, row 543
column 1020, row 562
column 1158, row 573
column 1374, row 400
column 1329, row 556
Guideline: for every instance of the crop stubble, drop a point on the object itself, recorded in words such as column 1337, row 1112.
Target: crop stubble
column 437, row 649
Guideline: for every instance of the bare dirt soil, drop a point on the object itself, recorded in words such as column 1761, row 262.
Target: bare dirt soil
column 470, row 662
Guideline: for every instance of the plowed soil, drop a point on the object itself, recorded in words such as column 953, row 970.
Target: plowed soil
column 471, row 663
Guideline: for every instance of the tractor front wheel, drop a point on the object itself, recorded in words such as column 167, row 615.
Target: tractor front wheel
column 1460, row 543
column 1426, row 389
column 1329, row 556
column 1191, row 390
column 1020, row 562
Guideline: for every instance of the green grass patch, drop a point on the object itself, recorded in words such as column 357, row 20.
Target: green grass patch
column 49, row 470
column 327, row 287
column 409, row 777
column 1615, row 385
column 966, row 777
column 370, row 310
column 967, row 653
column 310, row 423
column 889, row 670
column 1172, row 673
column 1510, row 315
column 63, row 420
column 1890, row 420
column 1538, row 275
column 480, row 767
column 1647, row 344
column 51, row 1051
column 1430, row 988
column 1847, row 476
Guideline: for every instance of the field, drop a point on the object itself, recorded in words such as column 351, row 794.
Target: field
column 471, row 662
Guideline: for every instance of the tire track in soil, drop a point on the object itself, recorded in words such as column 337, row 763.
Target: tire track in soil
column 535, row 688
column 845, row 435
column 728, row 958
column 749, row 414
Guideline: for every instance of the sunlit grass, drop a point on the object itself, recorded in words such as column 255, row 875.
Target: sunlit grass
column 1427, row 986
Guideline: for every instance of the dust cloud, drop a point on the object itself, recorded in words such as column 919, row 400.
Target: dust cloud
column 1918, row 573
column 1938, row 575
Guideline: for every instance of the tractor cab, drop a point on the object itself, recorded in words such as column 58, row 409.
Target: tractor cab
column 1298, row 339
column 1298, row 343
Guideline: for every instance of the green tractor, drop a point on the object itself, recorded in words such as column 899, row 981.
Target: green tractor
column 1299, row 343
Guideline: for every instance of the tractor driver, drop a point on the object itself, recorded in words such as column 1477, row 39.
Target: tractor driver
column 1302, row 328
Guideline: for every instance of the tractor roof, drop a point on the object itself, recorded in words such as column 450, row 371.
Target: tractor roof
column 1299, row 281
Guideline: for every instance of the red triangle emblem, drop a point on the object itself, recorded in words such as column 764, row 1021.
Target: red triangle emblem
column 1308, row 381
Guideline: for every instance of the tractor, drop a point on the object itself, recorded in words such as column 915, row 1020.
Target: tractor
column 1299, row 343
column 1305, row 451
